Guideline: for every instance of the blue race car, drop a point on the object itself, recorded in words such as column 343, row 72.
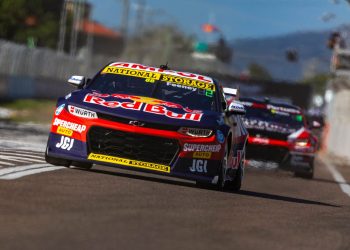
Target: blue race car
column 150, row 119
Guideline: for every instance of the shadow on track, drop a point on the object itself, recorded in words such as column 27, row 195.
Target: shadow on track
column 284, row 198
column 329, row 181
column 178, row 182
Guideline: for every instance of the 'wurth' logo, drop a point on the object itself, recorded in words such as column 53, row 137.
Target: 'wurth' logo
column 81, row 112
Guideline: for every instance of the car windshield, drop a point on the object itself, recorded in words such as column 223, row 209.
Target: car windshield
column 188, row 96
column 273, row 116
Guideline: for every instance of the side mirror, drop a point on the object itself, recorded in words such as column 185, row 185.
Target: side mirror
column 77, row 81
column 236, row 109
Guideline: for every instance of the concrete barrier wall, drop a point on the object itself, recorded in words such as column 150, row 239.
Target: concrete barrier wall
column 338, row 116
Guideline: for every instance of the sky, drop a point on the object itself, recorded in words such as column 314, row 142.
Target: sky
column 235, row 18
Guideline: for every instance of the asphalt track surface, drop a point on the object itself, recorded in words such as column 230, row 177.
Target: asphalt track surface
column 108, row 208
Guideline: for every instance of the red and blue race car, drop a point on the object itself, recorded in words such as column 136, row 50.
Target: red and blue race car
column 278, row 132
column 150, row 119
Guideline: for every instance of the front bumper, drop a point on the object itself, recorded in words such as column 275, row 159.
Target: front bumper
column 142, row 149
column 281, row 153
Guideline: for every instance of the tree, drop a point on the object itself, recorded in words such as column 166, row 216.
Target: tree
column 257, row 71
column 21, row 20
column 318, row 82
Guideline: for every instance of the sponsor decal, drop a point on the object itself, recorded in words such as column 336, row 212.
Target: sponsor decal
column 188, row 82
column 66, row 143
column 181, row 86
column 145, row 107
column 236, row 160
column 64, row 131
column 184, row 79
column 220, row 136
column 201, row 147
column 129, row 163
column 132, row 72
column 199, row 166
column 268, row 126
column 59, row 109
column 168, row 72
column 70, row 125
column 202, row 155
column 147, row 100
column 299, row 161
column 283, row 109
column 258, row 140
column 84, row 113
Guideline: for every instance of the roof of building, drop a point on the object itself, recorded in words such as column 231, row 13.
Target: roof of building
column 95, row 28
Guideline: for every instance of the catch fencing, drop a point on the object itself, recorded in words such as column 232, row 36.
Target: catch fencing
column 20, row 60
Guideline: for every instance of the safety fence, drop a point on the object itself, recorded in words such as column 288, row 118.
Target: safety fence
column 20, row 60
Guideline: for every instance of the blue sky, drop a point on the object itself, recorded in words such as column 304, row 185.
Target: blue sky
column 236, row 18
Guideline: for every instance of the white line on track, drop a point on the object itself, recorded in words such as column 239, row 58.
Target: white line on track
column 7, row 163
column 17, row 172
column 19, row 159
column 338, row 177
column 26, row 156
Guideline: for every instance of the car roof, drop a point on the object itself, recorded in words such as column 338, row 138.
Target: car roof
column 188, row 75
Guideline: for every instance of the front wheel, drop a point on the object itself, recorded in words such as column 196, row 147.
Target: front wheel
column 236, row 183
column 83, row 165
column 56, row 161
column 306, row 173
column 224, row 183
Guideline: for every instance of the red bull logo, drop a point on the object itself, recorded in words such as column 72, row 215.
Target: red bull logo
column 146, row 104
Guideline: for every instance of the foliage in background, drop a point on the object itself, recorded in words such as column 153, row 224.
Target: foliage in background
column 257, row 71
column 22, row 20
column 318, row 82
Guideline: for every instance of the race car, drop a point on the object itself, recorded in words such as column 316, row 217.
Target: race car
column 278, row 132
column 150, row 119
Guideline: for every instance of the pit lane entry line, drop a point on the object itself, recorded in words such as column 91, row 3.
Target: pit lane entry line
column 18, row 172
column 337, row 177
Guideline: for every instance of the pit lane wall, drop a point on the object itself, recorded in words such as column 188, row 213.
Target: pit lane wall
column 338, row 117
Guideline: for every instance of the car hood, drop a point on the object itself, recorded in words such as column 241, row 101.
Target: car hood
column 272, row 130
column 137, row 108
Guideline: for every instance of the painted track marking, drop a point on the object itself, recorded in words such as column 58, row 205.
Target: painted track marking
column 338, row 177
column 18, row 172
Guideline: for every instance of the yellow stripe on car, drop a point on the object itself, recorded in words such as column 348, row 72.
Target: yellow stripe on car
column 129, row 162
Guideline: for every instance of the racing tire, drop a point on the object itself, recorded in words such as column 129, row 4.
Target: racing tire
column 82, row 165
column 306, row 174
column 57, row 161
column 236, row 183
column 221, row 185
column 229, row 185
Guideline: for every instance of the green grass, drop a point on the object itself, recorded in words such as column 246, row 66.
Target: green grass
column 31, row 110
